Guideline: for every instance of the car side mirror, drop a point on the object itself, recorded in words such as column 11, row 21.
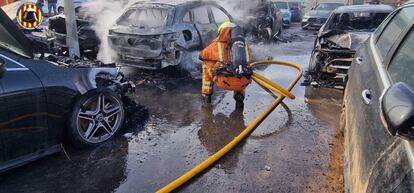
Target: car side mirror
column 2, row 67
column 397, row 110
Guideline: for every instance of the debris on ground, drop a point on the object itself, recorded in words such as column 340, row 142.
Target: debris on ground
column 136, row 116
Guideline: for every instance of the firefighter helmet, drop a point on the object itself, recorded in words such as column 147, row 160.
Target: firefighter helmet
column 226, row 24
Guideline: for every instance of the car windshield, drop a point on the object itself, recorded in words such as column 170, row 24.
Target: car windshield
column 356, row 21
column 9, row 42
column 144, row 17
column 328, row 6
column 282, row 5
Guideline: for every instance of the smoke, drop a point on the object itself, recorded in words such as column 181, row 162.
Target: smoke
column 239, row 9
column 104, row 14
column 192, row 64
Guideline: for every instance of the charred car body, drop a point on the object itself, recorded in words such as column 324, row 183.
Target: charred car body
column 154, row 35
column 43, row 102
column 56, row 32
column 338, row 40
column 265, row 21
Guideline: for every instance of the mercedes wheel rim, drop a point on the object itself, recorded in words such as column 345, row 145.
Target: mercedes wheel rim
column 99, row 118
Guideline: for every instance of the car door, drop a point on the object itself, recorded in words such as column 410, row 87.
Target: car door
column 190, row 33
column 398, row 162
column 205, row 25
column 219, row 15
column 25, row 132
column 372, row 156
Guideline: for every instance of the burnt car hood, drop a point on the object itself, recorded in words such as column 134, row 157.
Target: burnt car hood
column 346, row 40
column 140, row 31
column 319, row 13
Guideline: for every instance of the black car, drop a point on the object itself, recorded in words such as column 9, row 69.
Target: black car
column 337, row 41
column 42, row 102
column 378, row 110
column 264, row 22
column 315, row 18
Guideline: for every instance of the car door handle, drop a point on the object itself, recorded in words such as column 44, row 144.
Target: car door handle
column 366, row 96
column 359, row 60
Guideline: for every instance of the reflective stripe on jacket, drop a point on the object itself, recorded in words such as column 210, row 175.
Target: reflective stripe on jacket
column 217, row 51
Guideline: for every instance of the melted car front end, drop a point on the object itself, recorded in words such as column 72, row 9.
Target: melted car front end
column 332, row 58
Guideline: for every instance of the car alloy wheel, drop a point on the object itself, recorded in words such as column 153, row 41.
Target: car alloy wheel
column 99, row 118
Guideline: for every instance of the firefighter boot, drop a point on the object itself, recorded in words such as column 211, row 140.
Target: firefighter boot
column 239, row 97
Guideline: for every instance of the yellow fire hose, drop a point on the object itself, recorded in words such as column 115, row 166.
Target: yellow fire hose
column 264, row 82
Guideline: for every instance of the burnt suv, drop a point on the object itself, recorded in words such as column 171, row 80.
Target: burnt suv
column 378, row 110
column 152, row 35
column 337, row 41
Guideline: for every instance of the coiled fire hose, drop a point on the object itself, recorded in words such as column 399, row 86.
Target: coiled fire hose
column 264, row 82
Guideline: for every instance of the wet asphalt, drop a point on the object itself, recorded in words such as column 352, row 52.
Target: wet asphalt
column 298, row 148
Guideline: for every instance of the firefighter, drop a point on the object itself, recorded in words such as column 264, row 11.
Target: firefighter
column 215, row 56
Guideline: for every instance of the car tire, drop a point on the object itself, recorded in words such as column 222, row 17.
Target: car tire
column 96, row 117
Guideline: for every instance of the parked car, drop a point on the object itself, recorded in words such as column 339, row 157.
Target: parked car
column 174, row 28
column 287, row 15
column 315, row 18
column 264, row 22
column 42, row 102
column 296, row 10
column 338, row 40
column 378, row 110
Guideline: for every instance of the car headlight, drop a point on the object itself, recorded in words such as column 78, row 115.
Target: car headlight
column 305, row 18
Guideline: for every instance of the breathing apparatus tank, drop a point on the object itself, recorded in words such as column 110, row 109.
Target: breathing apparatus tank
column 235, row 75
